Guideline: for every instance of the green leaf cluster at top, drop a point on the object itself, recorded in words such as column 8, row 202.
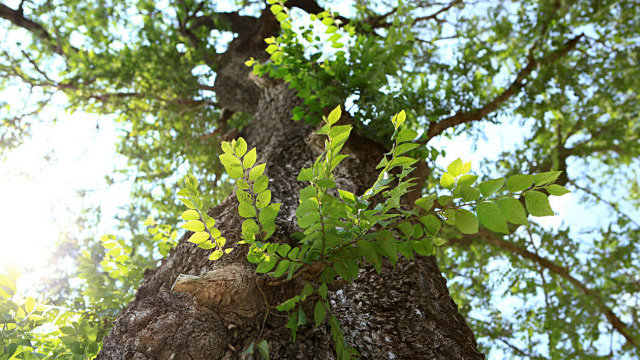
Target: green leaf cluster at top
column 341, row 231
column 315, row 84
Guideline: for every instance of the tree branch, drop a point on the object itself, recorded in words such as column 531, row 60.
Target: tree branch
column 438, row 128
column 16, row 17
column 562, row 272
column 434, row 16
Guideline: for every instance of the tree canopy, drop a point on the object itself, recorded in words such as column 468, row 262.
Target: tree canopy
column 565, row 73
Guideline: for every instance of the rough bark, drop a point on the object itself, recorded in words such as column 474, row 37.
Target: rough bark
column 403, row 313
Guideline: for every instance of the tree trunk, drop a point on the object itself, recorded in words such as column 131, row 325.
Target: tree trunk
column 403, row 313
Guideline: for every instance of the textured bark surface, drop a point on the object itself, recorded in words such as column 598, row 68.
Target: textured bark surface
column 404, row 313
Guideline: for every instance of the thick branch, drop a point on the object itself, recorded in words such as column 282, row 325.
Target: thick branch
column 436, row 129
column 613, row 319
column 16, row 17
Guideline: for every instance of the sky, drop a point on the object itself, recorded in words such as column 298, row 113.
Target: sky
column 40, row 181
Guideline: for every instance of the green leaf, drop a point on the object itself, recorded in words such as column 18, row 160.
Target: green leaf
column 249, row 159
column 445, row 200
column 241, row 147
column 334, row 116
column 489, row 187
column 256, row 171
column 422, row 247
column 431, row 224
column 182, row 192
column 491, row 217
column 216, row 255
column 467, row 180
column 206, row 245
column 266, row 264
column 469, row 193
column 276, row 9
column 319, row 313
column 546, row 177
column 281, row 17
column 426, row 202
column 322, row 291
column 439, row 241
column 226, row 147
column 403, row 148
column 210, row 222
column 249, row 229
column 282, row 267
column 29, row 304
column 269, row 213
column 466, row 167
column 244, row 196
column 466, row 221
column 249, row 350
column 308, row 220
column 513, row 211
column 406, row 229
column 235, row 171
column 369, row 252
column 324, row 130
column 557, row 190
column 188, row 203
column 326, row 183
column 246, row 210
column 384, row 162
column 199, row 237
column 307, row 290
column 398, row 119
column 261, row 184
column 517, row 183
column 229, row 160
column 263, row 199
column 406, row 135
column 288, row 304
column 190, row 215
column 263, row 349
column 347, row 196
column 538, row 204
column 306, row 174
column 455, row 168
column 403, row 161
column 193, row 225
column 390, row 248
column 347, row 270
column 447, row 181
column 302, row 318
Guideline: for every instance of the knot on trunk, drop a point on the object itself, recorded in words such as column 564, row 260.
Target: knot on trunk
column 230, row 288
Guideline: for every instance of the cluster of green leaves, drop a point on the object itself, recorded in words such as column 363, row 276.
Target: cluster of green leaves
column 18, row 319
column 328, row 61
column 31, row 329
column 315, row 84
column 164, row 236
column 495, row 213
column 342, row 231
column 254, row 203
column 205, row 234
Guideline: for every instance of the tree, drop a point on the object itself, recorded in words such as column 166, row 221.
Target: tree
column 178, row 78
